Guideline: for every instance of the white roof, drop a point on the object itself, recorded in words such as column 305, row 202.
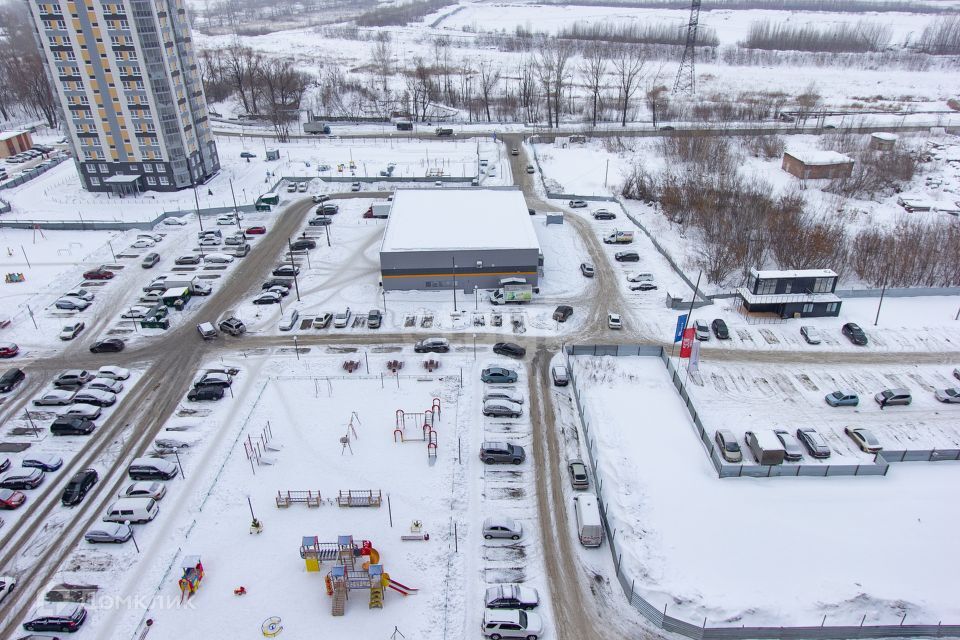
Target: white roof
column 6, row 135
column 774, row 298
column 469, row 218
column 589, row 511
column 768, row 440
column 793, row 273
column 817, row 156
column 882, row 135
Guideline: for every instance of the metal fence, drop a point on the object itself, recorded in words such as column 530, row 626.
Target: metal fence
column 119, row 225
column 30, row 174
column 658, row 615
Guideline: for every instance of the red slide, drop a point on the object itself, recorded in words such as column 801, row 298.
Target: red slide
column 402, row 588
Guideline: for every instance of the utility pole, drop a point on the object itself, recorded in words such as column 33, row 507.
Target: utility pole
column 236, row 212
column 879, row 304
column 197, row 201
column 686, row 81
column 453, row 260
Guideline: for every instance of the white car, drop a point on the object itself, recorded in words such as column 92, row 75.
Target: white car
column 54, row 398
column 701, row 330
column 88, row 411
column 341, row 319
column 174, row 222
column 511, row 623
column 614, row 321
column 639, row 277
column 95, row 397
column 810, row 334
column 143, row 243
column 152, row 298
column 144, row 489
column 70, row 331
column 950, row 396
column 202, row 288
column 218, row 258
column 81, row 294
column 503, row 394
column 209, row 241
column 226, row 219
column 113, row 372
column 71, row 304
column 135, row 312
column 105, row 384
column 156, row 237
column 7, row 583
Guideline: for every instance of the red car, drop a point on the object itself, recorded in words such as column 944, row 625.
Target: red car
column 98, row 274
column 256, row 231
column 10, row 499
column 368, row 213
column 8, row 349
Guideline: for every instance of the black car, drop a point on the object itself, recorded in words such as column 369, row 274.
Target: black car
column 277, row 282
column 509, row 349
column 10, row 379
column 79, row 485
column 300, row 245
column 202, row 393
column 855, row 334
column 110, row 345
column 320, row 221
column 603, row 214
column 286, row 270
column 64, row 616
column 562, row 312
column 627, row 256
column 72, row 426
column 720, row 329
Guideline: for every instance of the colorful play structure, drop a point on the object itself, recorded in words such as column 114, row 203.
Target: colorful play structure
column 344, row 576
column 192, row 577
column 419, row 427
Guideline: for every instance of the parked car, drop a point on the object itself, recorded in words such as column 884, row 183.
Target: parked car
column 218, row 258
column 174, row 221
column 374, row 318
column 267, row 297
column 815, row 444
column 136, row 312
column 700, row 330
column 864, row 439
column 78, row 487
column 71, row 304
column 150, row 260
column 100, row 273
column 559, row 375
column 71, row 330
column 614, row 321
column 247, row 154
column 72, row 379
column 88, row 411
column 328, row 209
column 200, row 394
column 502, row 527
column 578, row 475
column 355, row 186
column 320, row 197
column 255, row 231
column 577, row 204
column 586, row 269
column 23, row 478
column 562, row 312
column 499, row 393
column 810, row 334
column 109, row 345
column 643, row 276
column 502, row 452
column 644, row 286
column 46, row 461
column 323, row 320
column 432, row 345
column 214, row 379
column 303, row 245
column 143, row 243
column 82, row 294
column 209, row 241
column 105, row 384
column 286, row 270
column 113, row 372
column 498, row 375
column 950, row 395
column 319, row 221
column 720, row 329
column 289, row 321
column 842, row 399
column 112, row 532
column 202, row 288
column 10, row 379
column 891, row 397
column 57, row 397
column 501, row 408
column 62, row 616
column 511, row 596
column 341, row 319
column 232, row 326
column 791, row 448
column 10, row 499
column 144, row 489
column 854, row 333
column 509, row 349
column 69, row 425
column 728, row 445
column 626, row 256
column 604, row 214
column 95, row 397
column 511, row 623
column 8, row 349
column 226, row 219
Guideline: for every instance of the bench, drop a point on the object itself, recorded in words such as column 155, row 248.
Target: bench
column 309, row 498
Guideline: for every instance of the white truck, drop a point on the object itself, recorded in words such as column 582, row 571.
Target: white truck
column 382, row 210
column 619, row 237
column 512, row 294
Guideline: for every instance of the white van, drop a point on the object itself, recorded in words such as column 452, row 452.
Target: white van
column 134, row 510
column 589, row 525
column 290, row 320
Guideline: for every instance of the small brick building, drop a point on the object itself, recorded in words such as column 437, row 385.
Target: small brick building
column 882, row 141
column 13, row 142
column 816, row 164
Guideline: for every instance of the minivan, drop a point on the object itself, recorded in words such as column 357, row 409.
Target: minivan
column 765, row 446
column 889, row 397
column 589, row 525
column 132, row 510
column 559, row 375
column 290, row 320
column 151, row 469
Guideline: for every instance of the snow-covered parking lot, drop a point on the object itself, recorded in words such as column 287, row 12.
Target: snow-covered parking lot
column 748, row 551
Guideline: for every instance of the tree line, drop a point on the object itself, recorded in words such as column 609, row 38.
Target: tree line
column 24, row 89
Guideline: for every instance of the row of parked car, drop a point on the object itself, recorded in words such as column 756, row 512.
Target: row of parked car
column 771, row 447
column 36, row 151
column 85, row 394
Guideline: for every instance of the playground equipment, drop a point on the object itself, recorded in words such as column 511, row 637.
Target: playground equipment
column 271, row 627
column 15, row 277
column 192, row 576
column 256, row 448
column 344, row 576
column 424, row 422
column 351, row 365
column 431, row 364
column 416, row 533
column 309, row 498
column 356, row 498
column 350, row 434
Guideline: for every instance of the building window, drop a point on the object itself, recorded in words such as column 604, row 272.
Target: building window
column 808, row 307
column 151, row 180
column 767, row 287
column 159, row 168
column 103, row 168
column 89, row 168
column 832, row 307
column 822, row 285
column 95, row 182
column 164, row 180
column 147, row 167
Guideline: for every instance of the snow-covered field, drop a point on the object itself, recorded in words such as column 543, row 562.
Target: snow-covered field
column 757, row 551
column 302, row 409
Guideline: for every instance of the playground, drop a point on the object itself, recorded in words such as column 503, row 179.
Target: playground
column 347, row 529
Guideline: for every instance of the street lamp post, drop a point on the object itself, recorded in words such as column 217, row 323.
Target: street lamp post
column 132, row 537
column 196, row 200
column 453, row 261
column 293, row 267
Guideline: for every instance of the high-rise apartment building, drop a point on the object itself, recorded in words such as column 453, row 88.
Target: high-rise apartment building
column 126, row 75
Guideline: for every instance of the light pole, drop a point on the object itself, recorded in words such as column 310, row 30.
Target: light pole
column 176, row 452
column 236, row 212
column 132, row 537
column 879, row 304
column 293, row 267
column 196, row 200
column 296, row 347
column 453, row 261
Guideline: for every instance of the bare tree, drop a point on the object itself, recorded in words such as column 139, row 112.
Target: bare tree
column 594, row 70
column 243, row 65
column 489, row 77
column 527, row 90
column 628, row 65
column 383, row 60
column 420, row 88
column 283, row 89
column 543, row 69
column 562, row 74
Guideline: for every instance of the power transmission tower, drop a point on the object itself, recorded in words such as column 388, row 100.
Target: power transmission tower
column 686, row 74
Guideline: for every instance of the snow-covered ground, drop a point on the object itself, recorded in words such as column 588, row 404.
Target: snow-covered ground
column 680, row 528
column 302, row 409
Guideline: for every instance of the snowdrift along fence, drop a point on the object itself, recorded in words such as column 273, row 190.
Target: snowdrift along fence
column 659, row 616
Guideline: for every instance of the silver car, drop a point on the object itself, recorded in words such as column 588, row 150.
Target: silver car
column 728, row 445
column 502, row 408
column 810, row 334
column 791, row 448
column 502, row 527
column 144, row 489
column 105, row 384
column 503, row 394
column 950, row 396
column 109, row 532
